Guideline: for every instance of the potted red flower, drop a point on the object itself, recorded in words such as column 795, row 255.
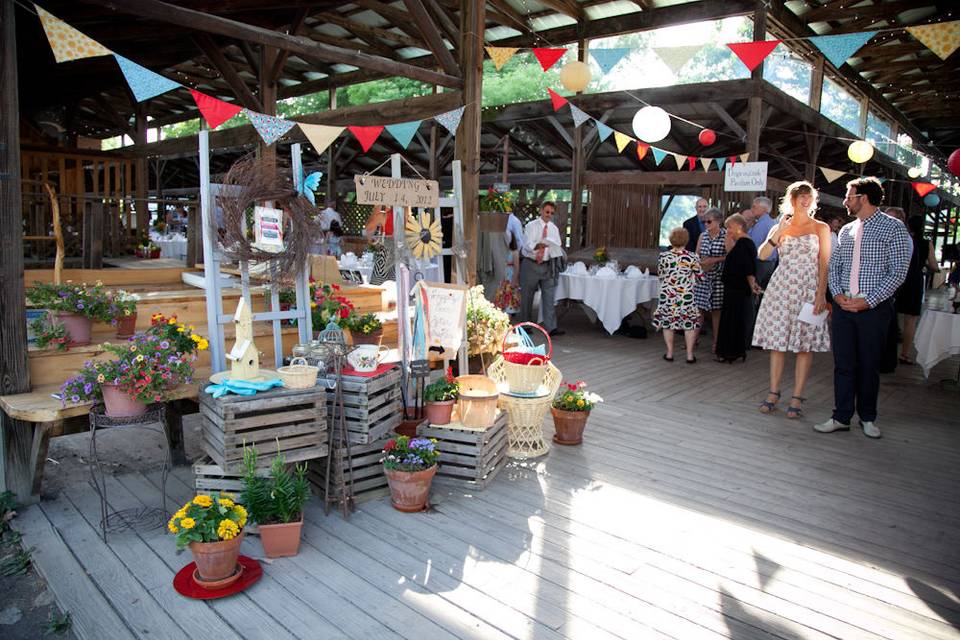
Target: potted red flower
column 571, row 408
column 410, row 464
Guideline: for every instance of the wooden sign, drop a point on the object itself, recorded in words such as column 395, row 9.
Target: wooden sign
column 402, row 192
column 745, row 176
column 445, row 306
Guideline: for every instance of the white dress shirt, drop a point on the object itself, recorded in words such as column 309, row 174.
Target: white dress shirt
column 533, row 235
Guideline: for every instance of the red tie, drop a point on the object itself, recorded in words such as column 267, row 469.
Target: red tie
column 543, row 249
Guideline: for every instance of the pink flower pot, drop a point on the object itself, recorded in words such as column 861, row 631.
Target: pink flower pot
column 119, row 404
column 439, row 412
column 409, row 490
column 77, row 326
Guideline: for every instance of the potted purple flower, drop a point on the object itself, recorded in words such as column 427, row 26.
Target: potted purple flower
column 72, row 309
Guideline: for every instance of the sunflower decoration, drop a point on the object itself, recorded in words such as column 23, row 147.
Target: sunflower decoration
column 424, row 237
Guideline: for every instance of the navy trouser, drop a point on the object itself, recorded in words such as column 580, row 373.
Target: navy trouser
column 858, row 343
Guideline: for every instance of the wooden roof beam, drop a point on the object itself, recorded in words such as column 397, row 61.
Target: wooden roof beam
column 215, row 56
column 431, row 34
column 296, row 26
column 304, row 47
column 566, row 7
column 506, row 9
column 365, row 31
column 445, row 20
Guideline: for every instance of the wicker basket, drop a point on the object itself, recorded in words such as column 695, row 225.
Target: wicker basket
column 478, row 401
column 550, row 381
column 527, row 376
column 299, row 374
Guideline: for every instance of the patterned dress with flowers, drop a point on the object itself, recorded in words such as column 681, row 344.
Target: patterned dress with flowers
column 679, row 272
column 709, row 293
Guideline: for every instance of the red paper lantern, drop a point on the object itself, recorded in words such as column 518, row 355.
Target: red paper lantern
column 953, row 163
column 707, row 137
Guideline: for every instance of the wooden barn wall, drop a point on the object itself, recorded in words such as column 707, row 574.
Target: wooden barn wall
column 624, row 215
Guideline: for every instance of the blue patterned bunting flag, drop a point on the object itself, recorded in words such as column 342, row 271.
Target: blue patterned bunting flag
column 144, row 84
column 270, row 128
column 658, row 155
column 579, row 116
column 838, row 48
column 608, row 58
column 603, row 130
column 720, row 162
column 451, row 119
column 403, row 132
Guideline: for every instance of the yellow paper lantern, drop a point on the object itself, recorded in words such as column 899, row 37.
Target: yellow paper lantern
column 914, row 172
column 575, row 76
column 860, row 151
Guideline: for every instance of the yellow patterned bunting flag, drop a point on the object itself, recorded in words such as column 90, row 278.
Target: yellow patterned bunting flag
column 500, row 55
column 68, row 43
column 942, row 38
column 622, row 140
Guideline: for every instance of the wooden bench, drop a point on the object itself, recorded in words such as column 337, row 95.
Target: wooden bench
column 33, row 418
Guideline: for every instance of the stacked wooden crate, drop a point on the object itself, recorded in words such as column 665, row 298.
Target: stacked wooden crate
column 210, row 478
column 369, row 481
column 371, row 404
column 469, row 456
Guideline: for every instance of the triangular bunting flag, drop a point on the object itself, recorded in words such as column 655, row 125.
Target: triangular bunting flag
column 557, row 99
column 677, row 57
column 603, row 131
column 66, row 42
column 831, row 174
column 622, row 140
column 706, row 163
column 214, row 111
column 732, row 160
column 579, row 115
column 752, row 53
column 691, row 163
column 882, row 180
column 679, row 159
column 837, row 49
column 720, row 162
column 658, row 155
column 642, row 150
column 144, row 84
column 366, row 135
column 942, row 38
column 320, row 136
column 451, row 119
column 270, row 128
column 923, row 188
column 607, row 59
column 744, row 157
column 548, row 57
column 500, row 55
column 404, row 132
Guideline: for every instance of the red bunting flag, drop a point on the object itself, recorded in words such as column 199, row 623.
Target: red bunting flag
column 732, row 160
column 548, row 57
column 691, row 162
column 923, row 188
column 214, row 111
column 557, row 99
column 642, row 150
column 366, row 135
column 752, row 53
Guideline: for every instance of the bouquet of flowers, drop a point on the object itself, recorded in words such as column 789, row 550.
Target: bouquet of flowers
column 446, row 388
column 575, row 397
column 486, row 324
column 329, row 306
column 208, row 519
column 507, row 297
column 495, row 201
column 600, row 255
column 180, row 337
column 405, row 454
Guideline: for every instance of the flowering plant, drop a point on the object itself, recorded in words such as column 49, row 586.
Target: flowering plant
column 176, row 335
column 507, row 297
column 208, row 519
column 49, row 331
column 277, row 499
column 493, row 200
column 446, row 388
column 328, row 305
column 122, row 304
column 90, row 301
column 148, row 246
column 575, row 397
column 486, row 324
column 365, row 323
column 410, row 454
column 600, row 255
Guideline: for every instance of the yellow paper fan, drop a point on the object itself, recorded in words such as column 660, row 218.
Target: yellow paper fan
column 424, row 237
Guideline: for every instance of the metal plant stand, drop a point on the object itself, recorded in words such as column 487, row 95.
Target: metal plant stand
column 339, row 460
column 137, row 518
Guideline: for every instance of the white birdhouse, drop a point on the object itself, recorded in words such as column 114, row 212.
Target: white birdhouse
column 244, row 357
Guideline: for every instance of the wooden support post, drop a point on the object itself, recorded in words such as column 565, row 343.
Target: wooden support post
column 93, row 236
column 175, row 410
column 467, row 144
column 331, row 157
column 140, row 178
column 755, row 103
column 864, row 112
column 576, row 173
column 268, row 99
column 816, row 84
column 434, row 169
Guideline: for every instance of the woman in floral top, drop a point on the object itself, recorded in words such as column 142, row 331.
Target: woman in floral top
column 679, row 271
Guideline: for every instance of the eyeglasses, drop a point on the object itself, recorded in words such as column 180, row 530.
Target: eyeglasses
column 710, row 222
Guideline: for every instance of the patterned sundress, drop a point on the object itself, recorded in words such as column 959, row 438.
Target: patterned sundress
column 679, row 272
column 709, row 293
column 792, row 284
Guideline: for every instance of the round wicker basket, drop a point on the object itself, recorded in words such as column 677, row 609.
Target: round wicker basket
column 298, row 374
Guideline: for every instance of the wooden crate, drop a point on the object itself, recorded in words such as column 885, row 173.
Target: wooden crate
column 369, row 481
column 372, row 406
column 469, row 456
column 209, row 478
column 291, row 420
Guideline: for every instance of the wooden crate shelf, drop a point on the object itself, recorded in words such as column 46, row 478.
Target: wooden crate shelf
column 291, row 420
column 469, row 456
column 372, row 406
column 209, row 478
column 369, row 481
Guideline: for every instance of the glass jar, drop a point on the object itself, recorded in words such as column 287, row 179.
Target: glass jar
column 300, row 350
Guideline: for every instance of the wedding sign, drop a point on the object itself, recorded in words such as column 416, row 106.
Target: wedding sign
column 445, row 309
column 402, row 192
column 745, row 176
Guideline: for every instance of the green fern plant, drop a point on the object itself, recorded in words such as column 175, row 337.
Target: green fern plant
column 277, row 498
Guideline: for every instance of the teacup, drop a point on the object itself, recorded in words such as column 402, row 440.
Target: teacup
column 366, row 357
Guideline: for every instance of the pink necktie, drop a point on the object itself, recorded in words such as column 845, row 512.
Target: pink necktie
column 855, row 265
column 542, row 250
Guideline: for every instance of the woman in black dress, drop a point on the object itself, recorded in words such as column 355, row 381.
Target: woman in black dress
column 739, row 283
column 909, row 297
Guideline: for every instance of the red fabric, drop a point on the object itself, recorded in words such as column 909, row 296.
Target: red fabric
column 732, row 159
column 366, row 135
column 923, row 188
column 214, row 111
column 350, row 371
column 548, row 57
column 752, row 53
column 519, row 357
column 691, row 162
column 557, row 99
column 185, row 586
column 642, row 150
column 388, row 225
column 542, row 250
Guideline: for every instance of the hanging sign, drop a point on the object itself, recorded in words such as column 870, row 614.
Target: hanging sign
column 746, row 176
column 445, row 308
column 401, row 192
column 501, row 187
column 268, row 229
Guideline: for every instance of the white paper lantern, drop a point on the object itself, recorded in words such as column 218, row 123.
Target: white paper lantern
column 860, row 151
column 914, row 172
column 575, row 76
column 651, row 124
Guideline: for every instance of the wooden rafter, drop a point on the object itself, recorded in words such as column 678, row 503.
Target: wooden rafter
column 366, row 31
column 440, row 15
column 295, row 28
column 505, row 8
column 431, row 34
column 566, row 7
column 215, row 56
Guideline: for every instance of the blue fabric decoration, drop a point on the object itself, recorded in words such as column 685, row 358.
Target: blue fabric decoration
column 579, row 116
column 658, row 155
column 309, row 184
column 603, row 130
column 720, row 162
column 404, row 132
column 608, row 58
column 241, row 387
column 838, row 48
column 144, row 84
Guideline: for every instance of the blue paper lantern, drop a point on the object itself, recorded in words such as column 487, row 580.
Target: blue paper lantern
column 931, row 199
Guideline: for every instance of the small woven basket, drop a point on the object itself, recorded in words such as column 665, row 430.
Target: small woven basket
column 298, row 374
column 524, row 372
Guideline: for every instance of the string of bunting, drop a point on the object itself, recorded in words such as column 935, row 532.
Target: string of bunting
column 69, row 44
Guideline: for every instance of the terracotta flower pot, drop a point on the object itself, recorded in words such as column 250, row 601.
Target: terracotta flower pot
column 409, row 490
column 281, row 540
column 126, row 326
column 368, row 338
column 216, row 561
column 439, row 412
column 119, row 404
column 569, row 425
column 78, row 326
column 155, row 253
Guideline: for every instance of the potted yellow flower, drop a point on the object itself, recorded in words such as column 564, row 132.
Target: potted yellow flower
column 212, row 527
column 365, row 328
column 571, row 408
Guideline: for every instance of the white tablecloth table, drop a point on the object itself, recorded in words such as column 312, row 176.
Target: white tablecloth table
column 608, row 299
column 937, row 338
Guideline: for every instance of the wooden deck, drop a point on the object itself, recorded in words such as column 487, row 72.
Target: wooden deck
column 686, row 514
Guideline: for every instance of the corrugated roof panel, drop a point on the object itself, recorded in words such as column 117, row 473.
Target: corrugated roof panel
column 610, row 9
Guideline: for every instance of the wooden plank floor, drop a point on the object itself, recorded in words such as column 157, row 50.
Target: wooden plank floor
column 686, row 514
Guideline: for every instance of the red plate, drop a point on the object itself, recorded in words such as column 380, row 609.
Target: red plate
column 185, row 586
